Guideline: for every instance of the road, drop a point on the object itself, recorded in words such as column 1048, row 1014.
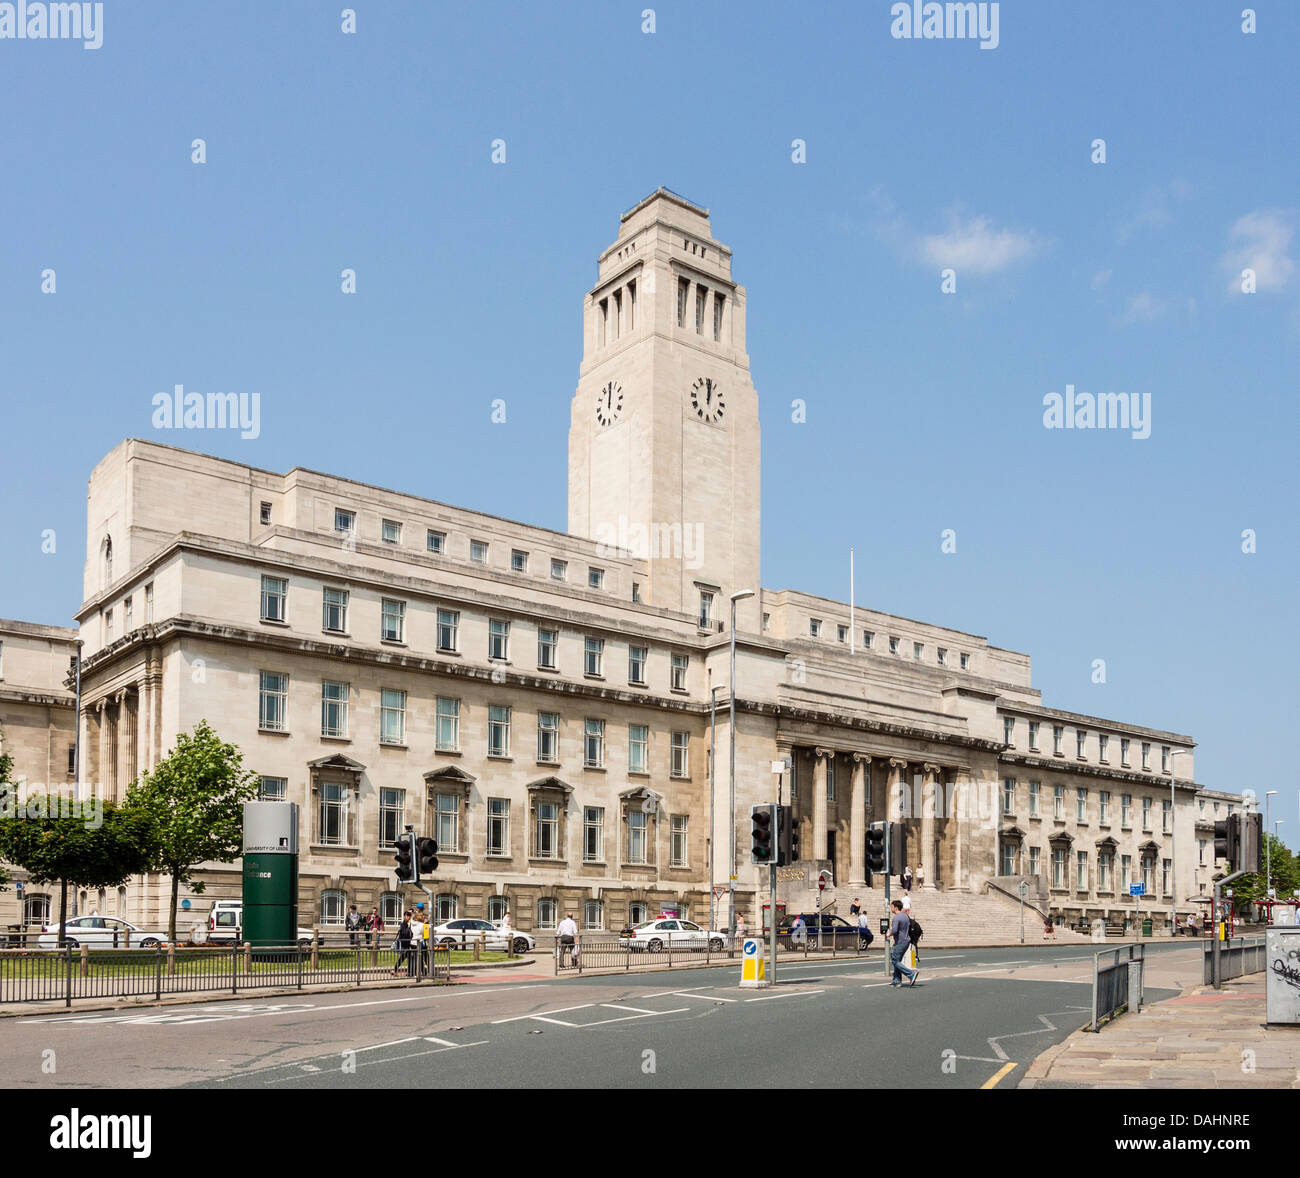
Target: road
column 976, row 1018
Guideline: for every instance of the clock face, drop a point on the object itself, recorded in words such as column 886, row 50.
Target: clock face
column 706, row 399
column 609, row 403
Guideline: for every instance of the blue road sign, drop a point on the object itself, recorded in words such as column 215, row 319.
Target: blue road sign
column 1137, row 889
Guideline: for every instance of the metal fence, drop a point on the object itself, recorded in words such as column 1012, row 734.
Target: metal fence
column 54, row 975
column 1117, row 983
column 1237, row 957
column 606, row 951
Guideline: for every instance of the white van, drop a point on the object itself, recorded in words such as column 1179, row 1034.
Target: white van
column 226, row 925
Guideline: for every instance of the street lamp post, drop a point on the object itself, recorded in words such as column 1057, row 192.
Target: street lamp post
column 713, row 758
column 1268, row 871
column 731, row 740
column 1173, row 842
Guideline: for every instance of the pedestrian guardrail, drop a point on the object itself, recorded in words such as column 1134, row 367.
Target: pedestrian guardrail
column 1238, row 956
column 52, row 975
column 1116, row 983
column 604, row 951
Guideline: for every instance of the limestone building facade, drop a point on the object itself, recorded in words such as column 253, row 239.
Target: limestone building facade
column 541, row 701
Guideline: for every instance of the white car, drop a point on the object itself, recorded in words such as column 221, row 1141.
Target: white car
column 100, row 932
column 226, row 925
column 464, row 932
column 656, row 935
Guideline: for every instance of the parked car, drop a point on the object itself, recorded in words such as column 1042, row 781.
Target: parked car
column 100, row 932
column 656, row 935
column 226, row 925
column 463, row 932
column 835, row 932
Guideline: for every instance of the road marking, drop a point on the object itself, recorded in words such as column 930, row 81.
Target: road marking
column 706, row 997
column 427, row 1039
column 368, row 1063
column 1002, row 1071
column 792, row 994
column 394, row 1043
column 520, row 1017
column 620, row 1006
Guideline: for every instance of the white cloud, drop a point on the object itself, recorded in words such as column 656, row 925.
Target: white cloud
column 1100, row 279
column 1260, row 241
column 1153, row 211
column 1142, row 307
column 974, row 246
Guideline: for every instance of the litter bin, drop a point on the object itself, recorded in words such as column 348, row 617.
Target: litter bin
column 1146, row 926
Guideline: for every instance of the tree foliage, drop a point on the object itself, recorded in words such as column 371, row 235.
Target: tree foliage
column 195, row 799
column 1284, row 869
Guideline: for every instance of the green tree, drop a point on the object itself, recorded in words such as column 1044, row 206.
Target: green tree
column 89, row 848
column 1284, row 869
column 7, row 793
column 195, row 798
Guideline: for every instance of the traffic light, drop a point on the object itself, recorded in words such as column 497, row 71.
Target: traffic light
column 427, row 851
column 897, row 848
column 876, row 846
column 405, row 868
column 1227, row 840
column 762, row 834
column 787, row 836
column 1251, row 844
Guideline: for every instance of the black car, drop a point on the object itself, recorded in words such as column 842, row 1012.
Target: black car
column 836, row 932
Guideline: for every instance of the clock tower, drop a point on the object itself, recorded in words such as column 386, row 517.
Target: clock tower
column 663, row 437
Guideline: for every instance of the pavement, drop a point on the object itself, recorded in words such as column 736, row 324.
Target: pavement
column 1204, row 1038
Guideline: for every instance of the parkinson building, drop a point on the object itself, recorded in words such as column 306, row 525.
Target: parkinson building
column 540, row 701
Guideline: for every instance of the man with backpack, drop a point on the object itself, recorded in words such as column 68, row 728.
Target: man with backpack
column 899, row 924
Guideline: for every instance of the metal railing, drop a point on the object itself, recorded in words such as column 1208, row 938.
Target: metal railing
column 1238, row 956
column 1116, row 984
column 62, row 975
column 602, row 951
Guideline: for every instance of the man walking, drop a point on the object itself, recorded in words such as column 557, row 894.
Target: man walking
column 568, row 935
column 418, row 942
column 403, row 942
column 865, row 936
column 898, row 926
column 374, row 928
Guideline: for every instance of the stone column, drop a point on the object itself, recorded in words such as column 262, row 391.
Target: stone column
column 130, row 755
column 893, row 802
column 144, row 718
column 960, row 801
column 99, row 778
column 819, row 801
column 929, row 803
column 858, row 821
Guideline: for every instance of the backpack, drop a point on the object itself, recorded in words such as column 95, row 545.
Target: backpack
column 914, row 931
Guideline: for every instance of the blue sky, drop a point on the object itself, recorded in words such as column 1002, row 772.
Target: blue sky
column 373, row 151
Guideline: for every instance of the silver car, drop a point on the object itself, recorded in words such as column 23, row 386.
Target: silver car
column 100, row 932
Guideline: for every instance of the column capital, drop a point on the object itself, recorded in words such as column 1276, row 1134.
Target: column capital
column 99, row 705
column 931, row 768
column 862, row 758
column 823, row 752
column 898, row 762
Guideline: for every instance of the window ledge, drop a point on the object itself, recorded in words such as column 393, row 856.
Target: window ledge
column 597, row 678
column 552, row 670
column 679, row 691
column 1058, row 755
column 535, row 862
column 594, row 768
column 274, row 732
column 1035, row 818
column 272, row 622
column 391, row 642
column 453, row 653
column 391, row 744
column 337, row 848
column 500, row 662
column 447, row 752
column 335, row 633
column 336, row 739
column 550, row 764
column 674, row 777
column 593, row 863
column 499, row 757
column 637, row 773
column 637, row 683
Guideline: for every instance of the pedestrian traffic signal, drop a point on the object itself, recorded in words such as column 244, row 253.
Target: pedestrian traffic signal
column 787, row 837
column 876, row 846
column 762, row 833
column 405, row 868
column 427, row 850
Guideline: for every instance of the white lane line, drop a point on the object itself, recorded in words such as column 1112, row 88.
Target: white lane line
column 672, row 993
column 559, row 1022
column 629, row 1018
column 621, row 1006
column 560, row 1010
column 367, row 1063
column 430, row 1039
column 706, row 997
column 394, row 1043
column 794, row 994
